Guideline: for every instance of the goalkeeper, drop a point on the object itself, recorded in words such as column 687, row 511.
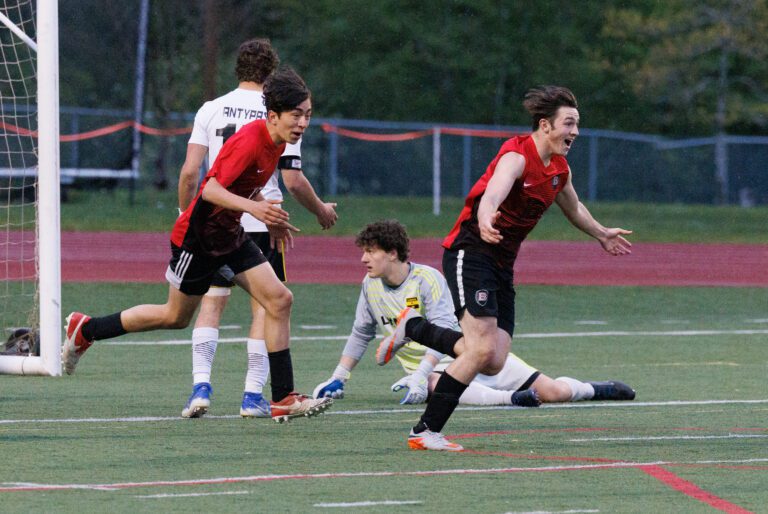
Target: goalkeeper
column 393, row 283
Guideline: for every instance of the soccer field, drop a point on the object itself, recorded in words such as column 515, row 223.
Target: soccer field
column 110, row 437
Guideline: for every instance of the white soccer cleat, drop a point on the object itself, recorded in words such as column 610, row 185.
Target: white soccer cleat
column 75, row 344
column 428, row 440
column 389, row 346
column 295, row 405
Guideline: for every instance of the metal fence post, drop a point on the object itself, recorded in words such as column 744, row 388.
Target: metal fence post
column 466, row 176
column 721, row 167
column 436, row 171
column 74, row 153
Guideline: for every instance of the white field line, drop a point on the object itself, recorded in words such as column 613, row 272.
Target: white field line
column 189, row 495
column 577, row 511
column 403, row 410
column 670, row 438
column 368, row 504
column 543, row 335
column 115, row 486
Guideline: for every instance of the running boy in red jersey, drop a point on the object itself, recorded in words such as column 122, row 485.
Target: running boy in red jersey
column 526, row 177
column 208, row 235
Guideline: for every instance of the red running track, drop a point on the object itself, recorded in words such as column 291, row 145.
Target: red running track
column 143, row 257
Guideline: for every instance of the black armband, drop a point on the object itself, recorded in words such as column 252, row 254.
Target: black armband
column 289, row 162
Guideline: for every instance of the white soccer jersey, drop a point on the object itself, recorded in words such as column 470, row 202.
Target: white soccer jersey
column 218, row 119
column 425, row 290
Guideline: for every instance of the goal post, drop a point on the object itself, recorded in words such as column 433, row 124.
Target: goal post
column 43, row 50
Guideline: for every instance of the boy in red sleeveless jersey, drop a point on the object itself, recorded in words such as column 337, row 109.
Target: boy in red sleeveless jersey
column 527, row 175
column 208, row 235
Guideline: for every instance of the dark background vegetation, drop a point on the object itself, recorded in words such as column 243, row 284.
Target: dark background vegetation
column 677, row 67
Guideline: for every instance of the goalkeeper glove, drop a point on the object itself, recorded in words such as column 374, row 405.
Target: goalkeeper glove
column 416, row 384
column 334, row 386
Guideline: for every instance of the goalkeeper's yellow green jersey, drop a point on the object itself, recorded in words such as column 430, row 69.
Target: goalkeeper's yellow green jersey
column 425, row 290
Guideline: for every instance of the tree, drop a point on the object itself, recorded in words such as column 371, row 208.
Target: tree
column 461, row 61
column 702, row 63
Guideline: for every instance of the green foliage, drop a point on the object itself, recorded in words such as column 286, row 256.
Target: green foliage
column 450, row 61
column 698, row 63
column 97, row 53
column 644, row 66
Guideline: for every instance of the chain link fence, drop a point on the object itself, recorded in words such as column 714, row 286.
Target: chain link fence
column 363, row 157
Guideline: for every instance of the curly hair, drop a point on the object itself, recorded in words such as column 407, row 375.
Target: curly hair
column 284, row 90
column 385, row 234
column 256, row 60
column 543, row 102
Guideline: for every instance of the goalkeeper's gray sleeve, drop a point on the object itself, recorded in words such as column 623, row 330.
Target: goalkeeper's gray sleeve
column 363, row 330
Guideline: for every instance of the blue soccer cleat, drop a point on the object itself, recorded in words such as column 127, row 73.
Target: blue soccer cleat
column 199, row 401
column 255, row 406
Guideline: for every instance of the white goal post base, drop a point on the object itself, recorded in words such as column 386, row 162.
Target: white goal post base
column 29, row 365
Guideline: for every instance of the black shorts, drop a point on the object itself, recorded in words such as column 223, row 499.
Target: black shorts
column 192, row 274
column 223, row 278
column 479, row 285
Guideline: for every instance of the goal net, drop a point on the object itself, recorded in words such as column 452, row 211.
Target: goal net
column 30, row 288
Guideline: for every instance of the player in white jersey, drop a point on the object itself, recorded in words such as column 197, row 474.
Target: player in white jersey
column 215, row 122
column 392, row 284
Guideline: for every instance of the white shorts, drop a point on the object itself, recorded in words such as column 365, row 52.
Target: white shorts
column 515, row 374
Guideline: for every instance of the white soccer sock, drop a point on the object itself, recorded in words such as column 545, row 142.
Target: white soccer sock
column 579, row 390
column 258, row 366
column 478, row 394
column 204, row 342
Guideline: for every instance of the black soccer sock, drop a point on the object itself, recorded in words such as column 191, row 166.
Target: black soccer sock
column 104, row 327
column 281, row 373
column 438, row 338
column 441, row 405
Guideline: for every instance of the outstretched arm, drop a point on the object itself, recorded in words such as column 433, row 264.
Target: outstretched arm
column 300, row 188
column 334, row 386
column 363, row 331
column 611, row 239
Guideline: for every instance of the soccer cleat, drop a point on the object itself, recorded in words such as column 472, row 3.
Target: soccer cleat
column 428, row 440
column 389, row 346
column 295, row 405
column 612, row 390
column 526, row 398
column 75, row 344
column 198, row 402
column 254, row 406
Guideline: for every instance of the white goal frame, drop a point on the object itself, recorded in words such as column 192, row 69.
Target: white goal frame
column 48, row 237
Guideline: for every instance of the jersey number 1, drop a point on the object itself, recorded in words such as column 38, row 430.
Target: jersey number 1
column 226, row 132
